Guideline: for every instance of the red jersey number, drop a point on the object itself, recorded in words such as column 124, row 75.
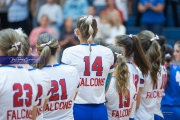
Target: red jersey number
column 96, row 66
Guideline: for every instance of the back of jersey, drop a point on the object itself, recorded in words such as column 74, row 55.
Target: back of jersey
column 93, row 68
column 118, row 106
column 134, row 82
column 148, row 100
column 43, row 83
column 64, row 82
column 162, row 79
column 17, row 93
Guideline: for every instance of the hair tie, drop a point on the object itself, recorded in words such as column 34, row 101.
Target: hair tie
column 154, row 38
column 16, row 45
column 131, row 36
column 86, row 16
column 167, row 55
column 118, row 55
column 45, row 44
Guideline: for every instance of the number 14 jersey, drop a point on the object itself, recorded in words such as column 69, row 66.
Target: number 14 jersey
column 93, row 68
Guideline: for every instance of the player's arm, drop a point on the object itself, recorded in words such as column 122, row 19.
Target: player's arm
column 34, row 113
column 139, row 97
column 45, row 103
column 108, row 81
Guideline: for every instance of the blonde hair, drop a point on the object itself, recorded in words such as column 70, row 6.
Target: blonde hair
column 47, row 45
column 88, row 28
column 121, row 70
column 153, row 52
column 8, row 40
column 25, row 44
column 113, row 14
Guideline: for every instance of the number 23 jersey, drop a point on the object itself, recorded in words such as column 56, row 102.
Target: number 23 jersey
column 17, row 93
column 93, row 68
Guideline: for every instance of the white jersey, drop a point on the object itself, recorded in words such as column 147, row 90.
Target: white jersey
column 148, row 100
column 43, row 83
column 64, row 82
column 118, row 106
column 136, row 77
column 17, row 93
column 93, row 68
column 162, row 79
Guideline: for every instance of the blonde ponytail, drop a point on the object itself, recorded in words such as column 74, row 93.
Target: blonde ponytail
column 91, row 31
column 121, row 70
column 47, row 45
column 122, row 75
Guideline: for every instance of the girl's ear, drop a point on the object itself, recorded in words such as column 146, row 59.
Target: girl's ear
column 58, row 49
column 38, row 52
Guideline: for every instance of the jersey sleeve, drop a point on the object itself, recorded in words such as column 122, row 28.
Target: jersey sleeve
column 141, row 78
column 66, row 57
column 76, row 76
column 111, row 59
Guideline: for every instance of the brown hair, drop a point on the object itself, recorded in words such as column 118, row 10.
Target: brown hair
column 88, row 28
column 25, row 44
column 161, row 42
column 8, row 39
column 121, row 70
column 47, row 45
column 152, row 50
column 133, row 47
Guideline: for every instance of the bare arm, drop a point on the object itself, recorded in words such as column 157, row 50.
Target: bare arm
column 141, row 8
column 159, row 8
column 139, row 97
column 45, row 103
column 34, row 112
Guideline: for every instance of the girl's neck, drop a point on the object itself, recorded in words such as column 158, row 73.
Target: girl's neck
column 52, row 60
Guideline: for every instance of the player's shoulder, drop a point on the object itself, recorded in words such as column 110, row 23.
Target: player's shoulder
column 39, row 74
column 67, row 67
column 76, row 47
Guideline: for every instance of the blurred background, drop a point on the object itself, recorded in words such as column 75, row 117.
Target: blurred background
column 114, row 17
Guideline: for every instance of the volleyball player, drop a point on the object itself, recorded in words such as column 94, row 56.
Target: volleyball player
column 131, row 48
column 93, row 63
column 41, row 78
column 122, row 89
column 64, row 79
column 17, row 90
column 149, row 96
column 162, row 79
column 171, row 101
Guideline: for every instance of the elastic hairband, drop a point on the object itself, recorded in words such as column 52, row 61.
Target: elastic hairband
column 118, row 55
column 167, row 55
column 16, row 45
column 45, row 44
column 131, row 36
column 85, row 17
column 155, row 38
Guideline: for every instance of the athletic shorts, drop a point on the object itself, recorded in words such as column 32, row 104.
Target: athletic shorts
column 157, row 117
column 171, row 112
column 90, row 112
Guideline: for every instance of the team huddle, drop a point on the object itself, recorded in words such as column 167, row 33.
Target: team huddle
column 123, row 81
